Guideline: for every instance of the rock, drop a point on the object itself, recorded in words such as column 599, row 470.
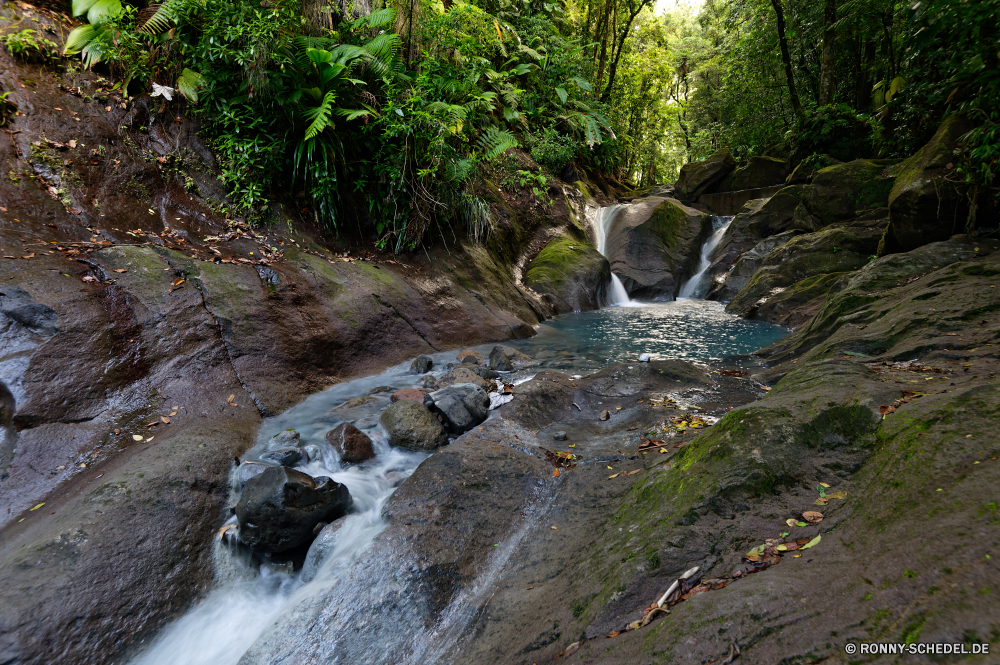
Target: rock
column 380, row 389
column 653, row 244
column 605, row 415
column 924, row 205
column 248, row 470
column 355, row 402
column 468, row 359
column 759, row 172
column 428, row 381
column 286, row 439
column 740, row 273
column 483, row 372
column 462, row 375
column 282, row 456
column 463, row 406
column 499, row 360
column 838, row 193
column 412, row 425
column 559, row 436
column 570, row 274
column 478, row 356
column 353, row 445
column 421, row 365
column 312, row 453
column 279, row 508
column 325, row 541
column 645, row 358
column 804, row 172
column 697, row 178
column 516, row 357
column 835, row 249
column 408, row 393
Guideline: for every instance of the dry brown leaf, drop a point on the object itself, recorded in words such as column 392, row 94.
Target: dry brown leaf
column 633, row 472
column 813, row 516
column 120, row 270
column 614, row 476
column 164, row 420
column 231, row 398
column 177, row 282
column 172, row 413
column 222, row 531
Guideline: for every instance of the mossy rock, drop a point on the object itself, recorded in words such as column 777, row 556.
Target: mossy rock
column 697, row 178
column 836, row 249
column 839, row 192
column 570, row 273
column 924, row 206
column 759, row 172
column 652, row 246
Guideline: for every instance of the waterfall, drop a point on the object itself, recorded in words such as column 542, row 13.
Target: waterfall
column 605, row 217
column 697, row 286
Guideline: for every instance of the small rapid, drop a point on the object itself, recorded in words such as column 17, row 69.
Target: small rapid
column 697, row 286
column 603, row 219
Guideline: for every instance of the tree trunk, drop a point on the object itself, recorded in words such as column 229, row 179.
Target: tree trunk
column 604, row 43
column 785, row 57
column 828, row 69
column 606, row 97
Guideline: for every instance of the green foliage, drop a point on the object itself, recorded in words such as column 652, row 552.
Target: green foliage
column 836, row 130
column 27, row 43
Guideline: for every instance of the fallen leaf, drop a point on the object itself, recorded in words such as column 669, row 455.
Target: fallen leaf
column 552, row 527
column 172, row 413
column 796, row 556
column 614, row 476
column 813, row 542
column 801, row 524
column 813, row 516
column 72, row 143
column 165, row 420
column 790, row 521
column 38, row 506
column 29, row 256
column 782, row 548
column 120, row 270
column 663, row 450
column 556, row 472
column 837, row 495
column 137, row 437
column 177, row 282
column 222, row 531
column 821, row 502
column 233, row 396
column 148, row 439
column 821, row 489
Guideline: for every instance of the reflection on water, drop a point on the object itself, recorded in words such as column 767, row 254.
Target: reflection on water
column 693, row 330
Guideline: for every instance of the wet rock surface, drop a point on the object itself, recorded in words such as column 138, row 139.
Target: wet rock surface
column 570, row 274
column 353, row 445
column 462, row 406
column 411, row 425
column 279, row 508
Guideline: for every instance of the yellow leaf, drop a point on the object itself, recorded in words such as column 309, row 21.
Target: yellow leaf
column 663, row 450
column 824, row 484
column 614, row 476
column 797, row 556
column 231, row 398
column 553, row 528
column 837, row 495
column 222, row 531
column 820, row 502
column 172, row 413
column 38, row 506
column 782, row 548
column 137, row 437
column 499, row 34
column 790, row 522
column 813, row 542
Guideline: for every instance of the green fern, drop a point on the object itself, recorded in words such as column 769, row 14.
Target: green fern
column 320, row 115
column 494, row 142
column 94, row 42
column 189, row 82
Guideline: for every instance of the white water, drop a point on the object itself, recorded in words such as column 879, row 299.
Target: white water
column 697, row 286
column 603, row 219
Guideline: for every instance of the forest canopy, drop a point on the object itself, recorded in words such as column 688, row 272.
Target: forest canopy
column 400, row 116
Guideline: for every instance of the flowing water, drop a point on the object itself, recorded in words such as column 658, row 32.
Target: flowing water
column 698, row 285
column 603, row 219
column 250, row 596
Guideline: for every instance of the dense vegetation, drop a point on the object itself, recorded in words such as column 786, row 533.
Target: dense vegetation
column 399, row 119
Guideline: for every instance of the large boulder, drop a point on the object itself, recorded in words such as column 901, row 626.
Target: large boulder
column 280, row 507
column 836, row 249
column 353, row 445
column 462, row 406
column 697, row 178
column 421, row 364
column 411, row 425
column 653, row 245
column 924, row 205
column 570, row 274
column 738, row 275
column 840, row 192
column 500, row 361
column 759, row 172
column 287, row 456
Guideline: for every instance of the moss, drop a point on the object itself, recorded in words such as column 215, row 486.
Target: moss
column 667, row 221
column 557, row 261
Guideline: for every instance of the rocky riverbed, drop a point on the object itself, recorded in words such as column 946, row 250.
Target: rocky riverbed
column 526, row 504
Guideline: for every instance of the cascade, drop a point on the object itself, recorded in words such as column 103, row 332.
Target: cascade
column 697, row 286
column 603, row 219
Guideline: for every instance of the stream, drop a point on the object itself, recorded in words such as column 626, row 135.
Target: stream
column 250, row 596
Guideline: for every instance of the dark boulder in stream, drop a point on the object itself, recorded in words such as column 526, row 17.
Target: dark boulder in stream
column 499, row 360
column 280, row 507
column 410, row 424
column 351, row 444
